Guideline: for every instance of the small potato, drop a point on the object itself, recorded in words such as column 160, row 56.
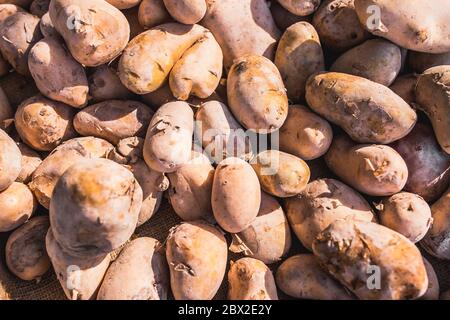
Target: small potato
column 406, row 213
column 17, row 204
column 39, row 7
column 420, row 61
column 8, row 9
column 433, row 283
column 113, row 120
column 235, row 180
column 124, row 4
column 300, row 7
column 304, row 134
column 10, row 161
column 190, row 249
column 17, row 88
column 95, row 207
column 43, row 124
column 250, row 279
column 79, row 277
column 377, row 60
column 25, row 251
column 283, row 18
column 68, row 84
column 302, row 277
column 31, row 160
column 168, row 141
column 376, row 170
column 104, row 84
column 322, row 202
column 369, row 112
column 256, row 94
column 6, row 111
column 186, row 11
column 47, row 28
column 139, row 273
column 268, row 238
column 350, row 249
column 299, row 55
column 152, row 13
column 281, row 174
column 432, row 92
column 405, row 87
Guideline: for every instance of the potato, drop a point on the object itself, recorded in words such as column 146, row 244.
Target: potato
column 415, row 25
column 18, row 204
column 227, row 20
column 86, row 146
column 281, row 174
column 432, row 292
column 426, row 161
column 132, row 16
column 369, row 112
column 432, row 92
column 8, row 9
column 168, row 141
column 10, row 161
column 113, row 120
column 283, row 18
column 17, row 88
column 377, row 60
column 47, row 28
column 152, row 13
column 4, row 66
column 300, row 7
column 302, row 277
column 299, row 55
column 30, row 161
column 250, row 279
column 79, row 277
column 95, row 207
column 139, row 273
column 221, row 135
column 186, row 11
column 406, row 213
column 338, row 26
column 39, row 7
column 18, row 34
column 234, row 180
column 376, row 170
column 69, row 84
column 254, row 82
column 95, row 32
column 365, row 255
column 21, row 3
column 438, row 237
column 43, row 124
column 158, row 97
column 322, row 202
column 405, row 87
column 26, row 255
column 6, row 111
column 124, row 4
column 419, row 61
column 304, row 134
column 104, row 84
column 268, row 237
column 191, row 248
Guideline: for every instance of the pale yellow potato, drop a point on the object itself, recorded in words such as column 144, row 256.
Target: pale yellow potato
column 17, row 205
column 300, row 7
column 152, row 13
column 31, row 160
column 10, row 161
column 186, row 11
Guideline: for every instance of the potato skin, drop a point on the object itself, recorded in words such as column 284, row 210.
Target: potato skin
column 254, row 81
column 322, row 202
column 17, row 88
column 367, row 111
column 47, row 28
column 6, row 111
column 8, row 9
column 299, row 55
column 420, row 61
column 30, row 162
column 300, row 7
column 104, row 84
column 124, row 4
column 10, row 161
column 250, row 279
column 139, row 273
column 432, row 92
column 234, row 180
column 349, row 248
column 433, row 283
column 98, row 32
column 190, row 248
column 302, row 277
column 39, row 7
column 152, row 13
column 43, row 123
column 18, row 204
column 405, row 87
column 26, row 255
column 283, row 18
column 186, row 11
column 95, row 207
column 445, row 295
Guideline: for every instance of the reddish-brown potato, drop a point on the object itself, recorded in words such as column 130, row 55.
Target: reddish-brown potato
column 283, row 18
column 104, row 84
column 152, row 13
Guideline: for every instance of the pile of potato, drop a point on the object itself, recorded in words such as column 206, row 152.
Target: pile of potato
column 108, row 107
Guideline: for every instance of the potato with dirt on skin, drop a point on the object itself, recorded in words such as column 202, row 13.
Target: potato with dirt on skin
column 139, row 273
column 405, row 87
column 250, row 279
column 432, row 292
column 299, row 55
column 283, row 18
column 31, row 160
column 18, row 205
column 124, row 4
column 43, row 123
column 39, row 7
column 17, row 88
column 152, row 13
column 420, row 61
column 268, row 238
column 10, row 161
column 104, row 84
column 190, row 249
column 322, row 202
column 349, row 249
column 186, row 11
column 25, row 251
column 47, row 28
column 302, row 277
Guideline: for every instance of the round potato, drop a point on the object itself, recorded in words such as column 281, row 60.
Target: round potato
column 124, row 4
column 31, row 160
column 420, row 61
column 405, row 87
column 186, row 11
column 10, row 161
column 433, row 283
column 18, row 204
column 152, row 13
column 283, row 18
column 104, row 84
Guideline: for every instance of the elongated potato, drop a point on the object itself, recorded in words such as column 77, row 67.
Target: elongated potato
column 186, row 11
column 369, row 112
column 322, row 202
column 31, row 160
column 234, row 180
column 256, row 94
column 433, row 283
column 6, row 111
column 39, row 7
column 104, row 84
column 250, row 279
column 283, row 18
column 139, row 273
column 124, row 4
column 18, row 204
column 268, row 238
column 365, row 255
column 43, row 123
column 419, row 61
column 152, row 13
column 190, row 248
column 300, row 7
column 25, row 251
column 432, row 92
column 299, row 55
column 376, row 170
column 302, row 277
column 10, row 161
column 405, row 87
